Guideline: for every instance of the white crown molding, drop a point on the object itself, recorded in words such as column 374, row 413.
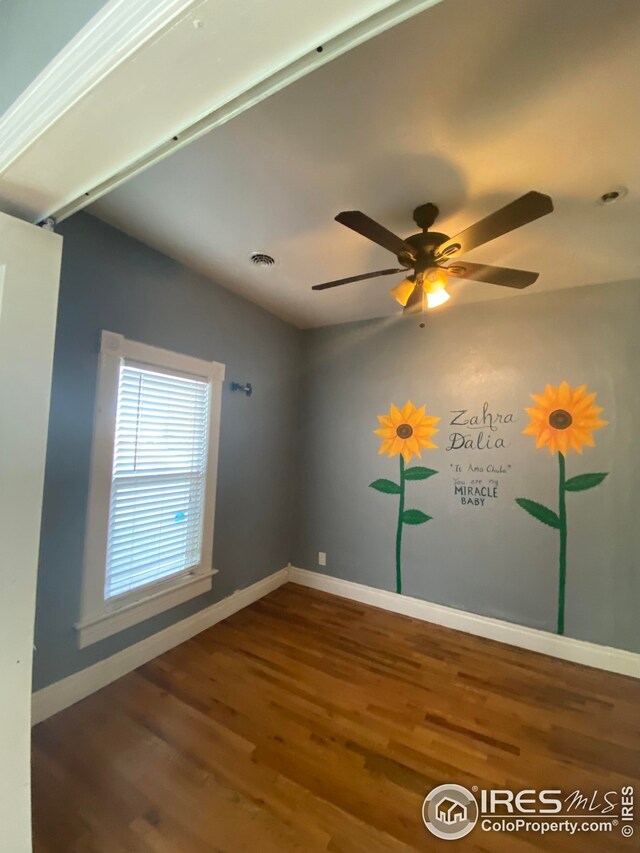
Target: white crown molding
column 117, row 31
column 566, row 648
column 61, row 694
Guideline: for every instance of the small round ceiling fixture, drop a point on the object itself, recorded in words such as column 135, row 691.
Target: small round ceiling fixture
column 262, row 259
column 613, row 195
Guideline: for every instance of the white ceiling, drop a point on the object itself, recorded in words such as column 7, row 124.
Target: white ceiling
column 469, row 105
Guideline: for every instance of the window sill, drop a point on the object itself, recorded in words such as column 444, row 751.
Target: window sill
column 96, row 628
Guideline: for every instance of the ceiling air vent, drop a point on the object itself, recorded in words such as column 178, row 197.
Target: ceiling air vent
column 260, row 259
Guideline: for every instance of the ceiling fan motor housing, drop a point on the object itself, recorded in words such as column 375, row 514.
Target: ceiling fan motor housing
column 425, row 215
column 425, row 245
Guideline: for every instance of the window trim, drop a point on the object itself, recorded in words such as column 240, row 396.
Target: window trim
column 100, row 618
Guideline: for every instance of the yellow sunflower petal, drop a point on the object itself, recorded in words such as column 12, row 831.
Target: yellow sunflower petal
column 540, row 400
column 425, row 441
column 585, row 403
column 534, row 413
column 424, row 432
column 564, row 394
column 429, row 420
column 385, row 447
column 414, row 445
column 417, row 415
column 552, row 444
column 398, row 445
column 562, row 437
column 406, row 452
column 587, row 417
column 591, row 423
column 532, row 429
column 575, row 441
column 577, row 394
column 543, row 437
column 407, row 411
column 385, row 432
column 395, row 415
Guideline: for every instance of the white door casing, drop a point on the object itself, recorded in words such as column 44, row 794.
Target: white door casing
column 29, row 276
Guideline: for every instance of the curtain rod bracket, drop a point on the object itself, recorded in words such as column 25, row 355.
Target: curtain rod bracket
column 247, row 388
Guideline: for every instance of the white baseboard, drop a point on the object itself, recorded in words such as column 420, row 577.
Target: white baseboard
column 577, row 651
column 49, row 700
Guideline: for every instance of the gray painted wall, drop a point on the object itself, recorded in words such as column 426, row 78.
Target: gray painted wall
column 495, row 559
column 110, row 281
column 32, row 32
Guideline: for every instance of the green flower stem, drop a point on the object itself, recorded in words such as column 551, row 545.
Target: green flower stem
column 562, row 515
column 399, row 531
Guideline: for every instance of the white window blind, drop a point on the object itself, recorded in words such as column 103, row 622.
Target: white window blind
column 158, row 485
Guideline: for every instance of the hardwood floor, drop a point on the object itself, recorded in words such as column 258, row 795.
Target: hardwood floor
column 310, row 723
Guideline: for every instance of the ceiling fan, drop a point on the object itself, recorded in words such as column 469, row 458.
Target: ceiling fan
column 430, row 254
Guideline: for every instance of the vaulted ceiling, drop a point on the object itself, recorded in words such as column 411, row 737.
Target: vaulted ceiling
column 469, row 105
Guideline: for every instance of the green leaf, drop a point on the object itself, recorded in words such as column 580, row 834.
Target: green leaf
column 583, row 482
column 386, row 486
column 539, row 511
column 418, row 473
column 415, row 516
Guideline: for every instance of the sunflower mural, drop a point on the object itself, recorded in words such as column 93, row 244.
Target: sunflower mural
column 563, row 419
column 405, row 433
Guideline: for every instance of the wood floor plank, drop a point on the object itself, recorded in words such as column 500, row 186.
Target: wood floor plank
column 313, row 724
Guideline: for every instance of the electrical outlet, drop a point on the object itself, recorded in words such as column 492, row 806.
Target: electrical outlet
column 322, row 558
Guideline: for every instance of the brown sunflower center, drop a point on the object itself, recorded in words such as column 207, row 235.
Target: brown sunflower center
column 404, row 431
column 560, row 419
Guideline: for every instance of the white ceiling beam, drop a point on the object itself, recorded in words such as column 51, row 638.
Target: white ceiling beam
column 146, row 77
column 115, row 33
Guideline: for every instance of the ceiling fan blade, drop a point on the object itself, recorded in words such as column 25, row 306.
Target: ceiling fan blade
column 372, row 230
column 492, row 275
column 362, row 277
column 525, row 209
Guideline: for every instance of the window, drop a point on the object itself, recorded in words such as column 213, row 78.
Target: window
column 151, row 503
column 157, row 485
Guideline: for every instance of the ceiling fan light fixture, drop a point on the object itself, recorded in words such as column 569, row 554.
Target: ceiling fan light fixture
column 435, row 280
column 401, row 292
column 434, row 300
